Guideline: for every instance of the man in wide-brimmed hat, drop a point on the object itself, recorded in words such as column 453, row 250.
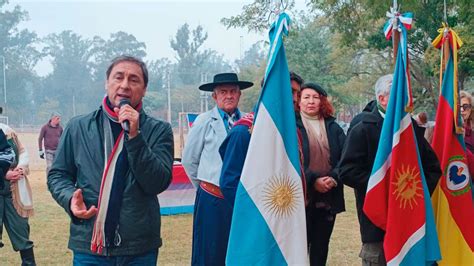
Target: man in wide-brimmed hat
column 203, row 164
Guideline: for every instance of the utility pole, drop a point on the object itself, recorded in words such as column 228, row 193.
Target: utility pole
column 73, row 104
column 206, row 93
column 4, row 83
column 202, row 94
column 168, row 74
column 241, row 44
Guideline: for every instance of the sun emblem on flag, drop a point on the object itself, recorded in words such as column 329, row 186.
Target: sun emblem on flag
column 407, row 186
column 279, row 196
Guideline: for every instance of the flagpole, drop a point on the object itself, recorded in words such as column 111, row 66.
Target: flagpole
column 445, row 48
column 395, row 32
column 445, row 13
column 444, row 54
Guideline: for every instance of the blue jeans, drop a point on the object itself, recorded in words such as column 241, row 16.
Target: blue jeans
column 83, row 259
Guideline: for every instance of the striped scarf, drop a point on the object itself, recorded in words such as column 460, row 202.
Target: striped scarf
column 246, row 120
column 106, row 226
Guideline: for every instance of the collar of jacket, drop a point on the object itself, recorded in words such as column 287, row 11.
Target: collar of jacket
column 373, row 116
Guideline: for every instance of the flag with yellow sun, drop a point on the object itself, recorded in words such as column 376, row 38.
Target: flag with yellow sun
column 397, row 198
column 269, row 222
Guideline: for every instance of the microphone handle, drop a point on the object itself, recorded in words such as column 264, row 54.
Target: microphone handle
column 126, row 126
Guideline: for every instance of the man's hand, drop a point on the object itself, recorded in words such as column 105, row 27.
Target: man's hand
column 126, row 112
column 78, row 207
column 324, row 184
column 41, row 154
column 14, row 175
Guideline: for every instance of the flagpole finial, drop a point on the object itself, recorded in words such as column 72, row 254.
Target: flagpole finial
column 277, row 7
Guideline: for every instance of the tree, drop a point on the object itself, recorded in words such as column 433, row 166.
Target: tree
column 70, row 83
column 252, row 68
column 308, row 51
column 256, row 16
column 214, row 63
column 17, row 49
column 254, row 56
column 103, row 51
column 360, row 23
column 253, row 73
column 358, row 26
column 158, row 71
column 190, row 58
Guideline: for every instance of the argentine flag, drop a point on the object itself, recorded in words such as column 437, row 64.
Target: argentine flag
column 269, row 223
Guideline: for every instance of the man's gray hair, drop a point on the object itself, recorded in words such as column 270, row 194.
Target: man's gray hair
column 53, row 114
column 383, row 85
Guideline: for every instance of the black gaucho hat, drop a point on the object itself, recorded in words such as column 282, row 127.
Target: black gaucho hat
column 316, row 87
column 225, row 78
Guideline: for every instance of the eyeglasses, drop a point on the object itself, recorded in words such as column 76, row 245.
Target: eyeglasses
column 465, row 106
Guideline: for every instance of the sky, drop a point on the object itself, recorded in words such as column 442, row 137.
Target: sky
column 153, row 22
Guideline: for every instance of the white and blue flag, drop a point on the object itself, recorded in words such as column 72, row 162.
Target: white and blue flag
column 269, row 222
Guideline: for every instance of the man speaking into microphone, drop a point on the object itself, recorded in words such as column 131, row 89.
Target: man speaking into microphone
column 110, row 165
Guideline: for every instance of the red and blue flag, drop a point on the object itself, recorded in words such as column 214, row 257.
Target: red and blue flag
column 179, row 197
column 397, row 198
column 191, row 117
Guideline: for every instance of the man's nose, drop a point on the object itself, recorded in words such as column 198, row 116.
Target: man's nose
column 124, row 84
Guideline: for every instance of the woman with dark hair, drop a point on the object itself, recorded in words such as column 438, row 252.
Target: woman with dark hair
column 323, row 140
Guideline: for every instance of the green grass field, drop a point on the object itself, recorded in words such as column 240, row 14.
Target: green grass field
column 50, row 228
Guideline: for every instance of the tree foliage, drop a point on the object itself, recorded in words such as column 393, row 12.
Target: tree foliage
column 355, row 52
column 257, row 15
column 70, row 82
column 360, row 24
column 17, row 50
column 119, row 43
column 187, row 44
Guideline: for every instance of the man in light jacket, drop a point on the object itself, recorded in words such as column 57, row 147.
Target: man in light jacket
column 203, row 164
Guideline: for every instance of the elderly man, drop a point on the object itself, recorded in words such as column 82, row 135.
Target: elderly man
column 49, row 135
column 118, row 159
column 358, row 158
column 202, row 163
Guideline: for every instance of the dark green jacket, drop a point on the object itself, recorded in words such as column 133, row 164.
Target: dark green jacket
column 79, row 163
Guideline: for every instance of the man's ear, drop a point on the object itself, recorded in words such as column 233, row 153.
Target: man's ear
column 383, row 101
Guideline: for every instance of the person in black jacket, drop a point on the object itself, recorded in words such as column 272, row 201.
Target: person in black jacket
column 322, row 143
column 110, row 166
column 7, row 157
column 358, row 158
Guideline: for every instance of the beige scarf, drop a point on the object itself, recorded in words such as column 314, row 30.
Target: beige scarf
column 21, row 190
column 318, row 144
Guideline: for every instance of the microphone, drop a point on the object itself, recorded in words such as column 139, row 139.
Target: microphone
column 125, row 124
